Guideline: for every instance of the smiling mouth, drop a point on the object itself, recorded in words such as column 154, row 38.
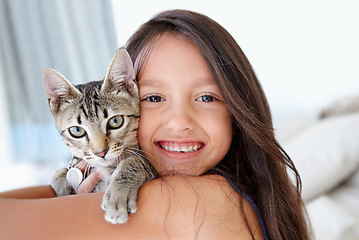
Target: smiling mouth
column 181, row 147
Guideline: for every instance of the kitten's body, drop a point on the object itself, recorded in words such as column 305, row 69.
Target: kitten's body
column 98, row 122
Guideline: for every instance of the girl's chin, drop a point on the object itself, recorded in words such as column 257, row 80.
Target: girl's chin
column 179, row 170
column 179, row 163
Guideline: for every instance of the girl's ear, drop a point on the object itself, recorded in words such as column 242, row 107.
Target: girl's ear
column 120, row 74
column 58, row 89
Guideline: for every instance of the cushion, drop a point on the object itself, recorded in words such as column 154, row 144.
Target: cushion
column 325, row 153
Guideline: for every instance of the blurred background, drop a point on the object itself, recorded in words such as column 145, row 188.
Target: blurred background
column 305, row 54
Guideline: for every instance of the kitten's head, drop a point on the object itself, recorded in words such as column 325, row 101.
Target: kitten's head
column 97, row 120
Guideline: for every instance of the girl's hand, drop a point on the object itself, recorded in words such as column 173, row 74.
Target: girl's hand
column 89, row 183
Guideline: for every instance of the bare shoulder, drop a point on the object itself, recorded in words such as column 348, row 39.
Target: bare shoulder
column 203, row 207
column 175, row 207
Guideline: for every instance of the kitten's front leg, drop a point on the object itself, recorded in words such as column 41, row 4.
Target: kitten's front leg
column 120, row 196
column 60, row 184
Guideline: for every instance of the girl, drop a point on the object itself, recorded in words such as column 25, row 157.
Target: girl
column 206, row 126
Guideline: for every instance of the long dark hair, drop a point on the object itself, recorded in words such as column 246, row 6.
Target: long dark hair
column 255, row 160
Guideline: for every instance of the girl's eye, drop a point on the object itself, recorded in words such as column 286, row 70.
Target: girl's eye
column 206, row 98
column 153, row 98
column 115, row 122
column 77, row 132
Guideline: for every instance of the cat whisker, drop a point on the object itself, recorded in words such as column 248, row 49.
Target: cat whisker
column 140, row 153
column 135, row 153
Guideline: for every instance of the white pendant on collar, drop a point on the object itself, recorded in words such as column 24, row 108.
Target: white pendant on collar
column 74, row 176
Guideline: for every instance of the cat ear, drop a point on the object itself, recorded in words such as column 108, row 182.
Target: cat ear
column 58, row 89
column 120, row 74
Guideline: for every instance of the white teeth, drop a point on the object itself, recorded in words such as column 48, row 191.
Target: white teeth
column 182, row 149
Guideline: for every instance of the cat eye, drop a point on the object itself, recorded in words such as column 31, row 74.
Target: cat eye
column 77, row 132
column 115, row 122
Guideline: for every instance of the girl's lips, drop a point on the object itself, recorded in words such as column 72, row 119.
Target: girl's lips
column 180, row 147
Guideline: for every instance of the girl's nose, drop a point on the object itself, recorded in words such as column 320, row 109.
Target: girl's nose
column 179, row 117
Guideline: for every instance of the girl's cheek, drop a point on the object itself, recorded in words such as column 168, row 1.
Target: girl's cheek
column 145, row 130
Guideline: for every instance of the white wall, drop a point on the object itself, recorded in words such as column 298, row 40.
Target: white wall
column 305, row 53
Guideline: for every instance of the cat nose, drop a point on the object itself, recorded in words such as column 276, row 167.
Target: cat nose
column 101, row 154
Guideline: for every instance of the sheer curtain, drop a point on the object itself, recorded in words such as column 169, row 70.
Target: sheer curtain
column 77, row 38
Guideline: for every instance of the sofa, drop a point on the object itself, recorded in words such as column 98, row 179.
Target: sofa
column 324, row 146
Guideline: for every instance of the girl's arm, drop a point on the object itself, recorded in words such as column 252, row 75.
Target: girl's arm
column 30, row 193
column 47, row 191
column 173, row 207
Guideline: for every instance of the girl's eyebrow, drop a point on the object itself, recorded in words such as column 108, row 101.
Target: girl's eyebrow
column 152, row 82
column 205, row 82
column 149, row 83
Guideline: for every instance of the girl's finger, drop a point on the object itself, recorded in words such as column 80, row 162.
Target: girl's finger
column 89, row 183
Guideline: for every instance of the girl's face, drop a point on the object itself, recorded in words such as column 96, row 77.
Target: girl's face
column 184, row 126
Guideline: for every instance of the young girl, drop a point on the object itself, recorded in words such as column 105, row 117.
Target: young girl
column 206, row 126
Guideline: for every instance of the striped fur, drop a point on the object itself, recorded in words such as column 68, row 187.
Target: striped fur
column 98, row 122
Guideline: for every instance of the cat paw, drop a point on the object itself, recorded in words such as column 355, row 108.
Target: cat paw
column 116, row 216
column 59, row 183
column 117, row 206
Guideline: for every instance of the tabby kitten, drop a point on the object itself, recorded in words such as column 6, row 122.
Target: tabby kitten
column 98, row 122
